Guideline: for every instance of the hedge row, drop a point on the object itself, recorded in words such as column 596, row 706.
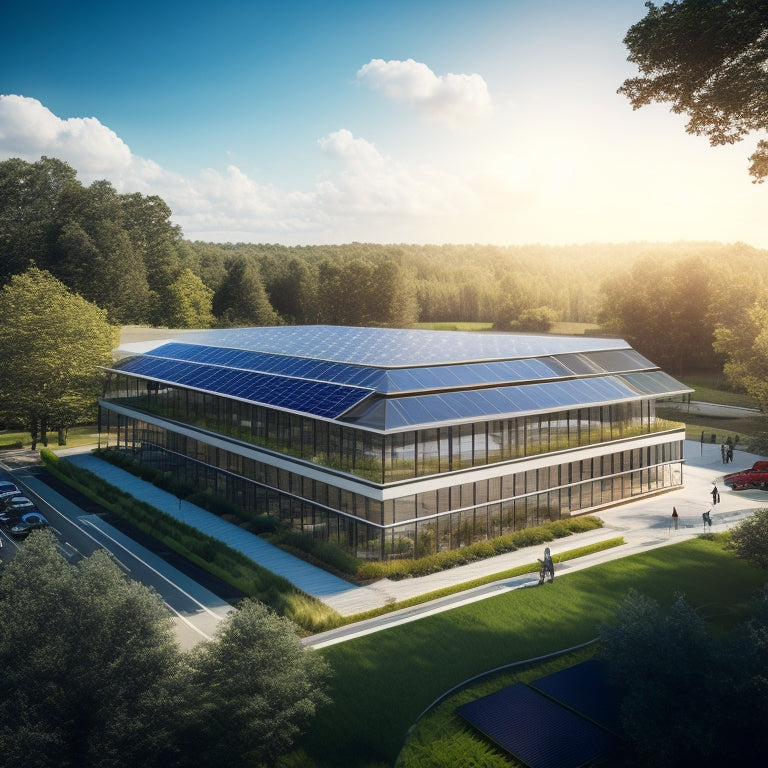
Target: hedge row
column 527, row 537
column 213, row 555
column 203, row 498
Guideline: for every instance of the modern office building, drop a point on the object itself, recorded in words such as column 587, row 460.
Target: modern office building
column 397, row 442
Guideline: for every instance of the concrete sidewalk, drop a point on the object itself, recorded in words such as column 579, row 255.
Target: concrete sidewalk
column 644, row 524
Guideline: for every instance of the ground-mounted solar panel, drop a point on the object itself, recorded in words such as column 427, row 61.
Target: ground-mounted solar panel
column 538, row 731
column 310, row 397
column 585, row 688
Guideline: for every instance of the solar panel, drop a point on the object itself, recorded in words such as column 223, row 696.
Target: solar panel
column 536, row 730
column 384, row 381
column 310, row 397
column 656, row 383
column 395, row 347
column 419, row 411
column 585, row 688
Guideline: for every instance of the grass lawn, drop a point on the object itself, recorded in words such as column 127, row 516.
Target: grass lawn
column 747, row 428
column 76, row 436
column 714, row 388
column 384, row 681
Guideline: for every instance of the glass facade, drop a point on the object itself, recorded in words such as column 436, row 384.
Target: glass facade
column 393, row 442
column 391, row 457
column 463, row 510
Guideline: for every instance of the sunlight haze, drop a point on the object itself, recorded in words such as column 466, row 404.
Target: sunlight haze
column 428, row 122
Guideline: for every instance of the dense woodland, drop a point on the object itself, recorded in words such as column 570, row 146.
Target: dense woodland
column 684, row 305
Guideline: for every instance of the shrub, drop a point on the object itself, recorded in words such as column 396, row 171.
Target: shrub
column 441, row 561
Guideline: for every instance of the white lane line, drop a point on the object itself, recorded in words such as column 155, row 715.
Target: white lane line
column 154, row 570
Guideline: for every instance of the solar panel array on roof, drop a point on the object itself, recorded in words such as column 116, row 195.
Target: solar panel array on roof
column 538, row 731
column 342, row 373
column 501, row 402
column 396, row 347
column 403, row 379
column 312, row 397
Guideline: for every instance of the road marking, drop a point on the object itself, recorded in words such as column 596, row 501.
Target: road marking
column 147, row 565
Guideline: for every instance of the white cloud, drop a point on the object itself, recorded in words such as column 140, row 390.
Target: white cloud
column 454, row 99
column 362, row 195
column 29, row 130
column 370, row 182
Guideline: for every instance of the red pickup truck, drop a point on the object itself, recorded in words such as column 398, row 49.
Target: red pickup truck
column 754, row 477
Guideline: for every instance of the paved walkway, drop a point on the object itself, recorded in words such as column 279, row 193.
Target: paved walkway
column 644, row 524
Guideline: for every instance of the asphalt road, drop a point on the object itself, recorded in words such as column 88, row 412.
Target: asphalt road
column 196, row 609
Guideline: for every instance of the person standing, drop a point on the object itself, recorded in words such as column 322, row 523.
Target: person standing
column 675, row 518
column 547, row 567
column 729, row 454
column 723, row 451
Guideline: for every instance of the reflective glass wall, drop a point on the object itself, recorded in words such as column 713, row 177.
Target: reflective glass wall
column 413, row 525
column 392, row 458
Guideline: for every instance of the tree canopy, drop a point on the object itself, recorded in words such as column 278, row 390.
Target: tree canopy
column 707, row 58
column 118, row 251
column 256, row 687
column 91, row 667
column 92, row 674
column 688, row 698
column 750, row 538
column 52, row 342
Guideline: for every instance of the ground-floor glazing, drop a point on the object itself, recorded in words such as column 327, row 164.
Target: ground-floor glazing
column 377, row 522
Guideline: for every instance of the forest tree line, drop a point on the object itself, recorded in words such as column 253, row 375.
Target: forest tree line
column 687, row 306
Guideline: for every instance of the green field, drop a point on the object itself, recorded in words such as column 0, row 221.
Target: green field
column 76, row 436
column 385, row 680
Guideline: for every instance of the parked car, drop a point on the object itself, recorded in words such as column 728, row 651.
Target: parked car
column 30, row 521
column 754, row 477
column 7, row 494
column 15, row 507
column 6, row 486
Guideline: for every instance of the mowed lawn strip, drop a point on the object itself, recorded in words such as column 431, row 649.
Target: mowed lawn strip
column 383, row 681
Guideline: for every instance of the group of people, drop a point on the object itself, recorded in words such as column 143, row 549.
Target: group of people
column 726, row 451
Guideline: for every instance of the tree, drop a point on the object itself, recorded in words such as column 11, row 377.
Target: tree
column 92, row 672
column 241, row 299
column 255, row 686
column 537, row 319
column 750, row 538
column 744, row 343
column 94, row 255
column 664, row 308
column 29, row 211
column 658, row 662
column 187, row 301
column 708, row 59
column 51, row 345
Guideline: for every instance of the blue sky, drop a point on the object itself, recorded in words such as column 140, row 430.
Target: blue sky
column 421, row 122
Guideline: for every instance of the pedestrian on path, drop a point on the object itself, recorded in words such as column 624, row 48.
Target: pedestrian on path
column 547, row 567
column 675, row 519
column 723, row 451
column 707, row 520
column 729, row 455
column 715, row 494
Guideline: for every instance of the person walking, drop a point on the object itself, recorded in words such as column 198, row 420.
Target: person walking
column 723, row 452
column 729, row 455
column 547, row 567
column 675, row 518
column 715, row 494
